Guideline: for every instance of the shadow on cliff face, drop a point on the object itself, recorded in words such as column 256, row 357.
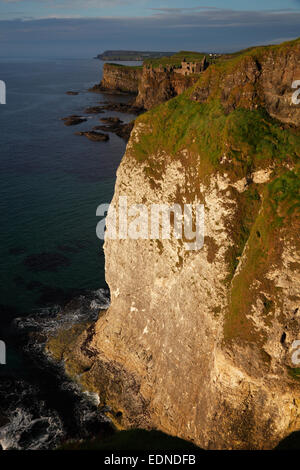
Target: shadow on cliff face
column 134, row 440
column 291, row 442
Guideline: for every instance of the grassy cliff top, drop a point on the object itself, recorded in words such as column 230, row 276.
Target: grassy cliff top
column 250, row 139
column 222, row 60
column 129, row 67
column 191, row 56
column 261, row 49
column 231, row 60
column 247, row 135
column 176, row 59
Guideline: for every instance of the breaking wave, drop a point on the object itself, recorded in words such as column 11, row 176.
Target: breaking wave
column 46, row 408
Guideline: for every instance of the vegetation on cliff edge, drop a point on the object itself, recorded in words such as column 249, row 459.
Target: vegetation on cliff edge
column 205, row 137
column 176, row 59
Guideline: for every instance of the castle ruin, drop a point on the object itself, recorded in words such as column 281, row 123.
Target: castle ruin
column 186, row 68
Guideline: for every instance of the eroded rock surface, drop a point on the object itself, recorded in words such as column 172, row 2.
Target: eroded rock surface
column 263, row 77
column 157, row 85
column 119, row 78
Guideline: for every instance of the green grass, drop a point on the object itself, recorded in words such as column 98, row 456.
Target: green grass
column 284, row 193
column 236, row 62
column 294, row 372
column 251, row 139
column 280, row 209
column 176, row 59
column 262, row 49
column 128, row 67
column 226, row 61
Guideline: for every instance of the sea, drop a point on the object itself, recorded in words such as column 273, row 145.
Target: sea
column 51, row 183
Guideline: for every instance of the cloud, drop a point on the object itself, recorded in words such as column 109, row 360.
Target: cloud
column 199, row 29
column 74, row 3
column 183, row 9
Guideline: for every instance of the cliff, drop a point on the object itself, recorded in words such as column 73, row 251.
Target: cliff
column 158, row 85
column 119, row 78
column 259, row 77
column 164, row 78
column 198, row 344
column 157, row 81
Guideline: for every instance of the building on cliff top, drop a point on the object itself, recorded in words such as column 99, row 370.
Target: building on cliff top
column 186, row 68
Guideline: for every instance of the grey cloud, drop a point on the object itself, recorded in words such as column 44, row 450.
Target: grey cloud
column 205, row 30
column 181, row 10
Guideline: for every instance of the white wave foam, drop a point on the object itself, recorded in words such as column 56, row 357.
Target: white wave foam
column 32, row 423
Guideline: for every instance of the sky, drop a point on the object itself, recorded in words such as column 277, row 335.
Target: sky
column 84, row 28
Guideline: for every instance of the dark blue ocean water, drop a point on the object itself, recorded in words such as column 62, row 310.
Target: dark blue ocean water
column 51, row 182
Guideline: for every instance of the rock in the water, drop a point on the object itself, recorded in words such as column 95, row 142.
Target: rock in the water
column 73, row 120
column 94, row 136
column 120, row 129
column 124, row 130
column 128, row 108
column 119, row 79
column 94, row 110
column 111, row 120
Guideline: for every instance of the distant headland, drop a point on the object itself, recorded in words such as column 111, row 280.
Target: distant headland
column 132, row 55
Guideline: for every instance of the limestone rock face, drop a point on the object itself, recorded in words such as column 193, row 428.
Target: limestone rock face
column 264, row 78
column 199, row 344
column 152, row 86
column 158, row 85
column 169, row 315
column 119, row 78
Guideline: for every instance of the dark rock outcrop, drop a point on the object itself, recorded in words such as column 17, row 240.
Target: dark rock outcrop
column 94, row 136
column 116, row 126
column 111, row 120
column 119, row 78
column 73, row 120
column 158, row 85
column 152, row 85
column 94, row 110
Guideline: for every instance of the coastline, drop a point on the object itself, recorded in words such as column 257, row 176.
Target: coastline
column 26, row 364
column 146, row 335
column 122, row 356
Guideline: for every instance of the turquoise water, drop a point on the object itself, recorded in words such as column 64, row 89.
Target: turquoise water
column 51, row 181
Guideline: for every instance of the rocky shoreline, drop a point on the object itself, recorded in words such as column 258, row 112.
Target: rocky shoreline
column 111, row 124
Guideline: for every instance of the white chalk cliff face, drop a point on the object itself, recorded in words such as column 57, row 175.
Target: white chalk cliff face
column 199, row 343
column 168, row 326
